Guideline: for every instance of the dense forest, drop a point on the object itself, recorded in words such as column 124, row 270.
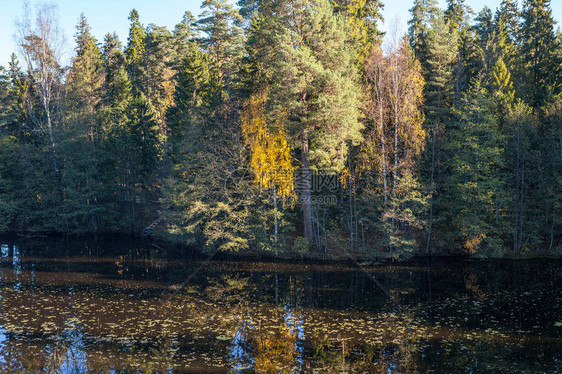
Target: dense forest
column 293, row 126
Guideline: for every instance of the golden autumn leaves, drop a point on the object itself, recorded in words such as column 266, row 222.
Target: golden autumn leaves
column 270, row 151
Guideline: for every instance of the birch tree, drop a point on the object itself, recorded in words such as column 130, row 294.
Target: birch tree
column 41, row 44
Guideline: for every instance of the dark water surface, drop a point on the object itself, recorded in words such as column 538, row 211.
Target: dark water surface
column 114, row 305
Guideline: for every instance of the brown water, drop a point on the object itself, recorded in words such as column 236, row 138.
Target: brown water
column 119, row 306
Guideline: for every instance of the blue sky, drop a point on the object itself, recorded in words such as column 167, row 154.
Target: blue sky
column 111, row 15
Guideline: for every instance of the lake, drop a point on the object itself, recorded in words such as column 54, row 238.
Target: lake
column 118, row 305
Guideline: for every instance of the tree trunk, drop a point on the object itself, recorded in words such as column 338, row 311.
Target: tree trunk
column 275, row 204
column 306, row 193
column 395, row 169
column 51, row 135
column 516, row 237
column 350, row 222
column 383, row 151
column 428, row 244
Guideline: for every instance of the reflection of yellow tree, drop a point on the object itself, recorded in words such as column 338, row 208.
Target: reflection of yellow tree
column 471, row 284
column 275, row 353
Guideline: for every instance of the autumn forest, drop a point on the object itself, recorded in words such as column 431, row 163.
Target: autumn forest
column 294, row 128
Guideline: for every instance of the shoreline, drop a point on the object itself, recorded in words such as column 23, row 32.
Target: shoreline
column 336, row 256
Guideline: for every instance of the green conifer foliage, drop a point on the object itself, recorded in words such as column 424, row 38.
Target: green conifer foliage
column 540, row 64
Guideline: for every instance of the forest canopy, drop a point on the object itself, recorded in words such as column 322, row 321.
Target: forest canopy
column 290, row 126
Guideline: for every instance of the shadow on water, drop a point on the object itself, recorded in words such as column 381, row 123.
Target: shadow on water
column 116, row 305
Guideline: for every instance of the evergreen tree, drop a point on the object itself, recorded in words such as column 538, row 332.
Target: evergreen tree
column 502, row 88
column 475, row 186
column 248, row 8
column 457, row 15
column 540, row 65
column 118, row 146
column 423, row 13
column 484, row 24
column 135, row 51
column 548, row 196
column 439, row 71
column 17, row 104
column 191, row 96
column 505, row 47
column 490, row 45
column 8, row 149
column 314, row 88
column 508, row 15
column 363, row 16
column 160, row 85
column 469, row 61
column 254, row 76
column 222, row 41
column 84, row 131
column 183, row 37
column 114, row 58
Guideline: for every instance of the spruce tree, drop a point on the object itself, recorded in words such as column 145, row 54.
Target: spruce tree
column 8, row 149
column 118, row 146
column 491, row 44
column 548, row 196
column 135, row 50
column 222, row 40
column 508, row 15
column 475, row 188
column 160, row 62
column 439, row 72
column 423, row 12
column 540, row 66
column 85, row 83
column 457, row 15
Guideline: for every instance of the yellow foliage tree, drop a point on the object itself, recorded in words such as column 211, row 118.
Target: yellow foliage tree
column 270, row 151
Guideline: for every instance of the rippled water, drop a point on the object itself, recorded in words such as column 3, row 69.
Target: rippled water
column 115, row 305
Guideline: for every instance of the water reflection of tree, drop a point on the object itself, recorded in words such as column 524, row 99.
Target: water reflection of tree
column 67, row 354
column 275, row 352
column 397, row 351
column 271, row 349
column 266, row 336
column 270, row 340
